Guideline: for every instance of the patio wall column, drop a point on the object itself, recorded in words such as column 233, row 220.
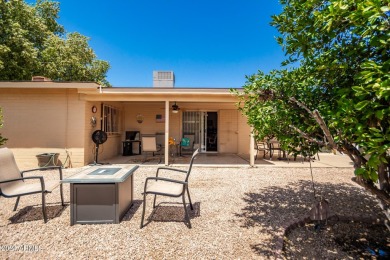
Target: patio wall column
column 166, row 152
column 252, row 149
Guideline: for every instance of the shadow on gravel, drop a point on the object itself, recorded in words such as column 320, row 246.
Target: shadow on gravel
column 32, row 213
column 166, row 212
column 131, row 212
column 274, row 206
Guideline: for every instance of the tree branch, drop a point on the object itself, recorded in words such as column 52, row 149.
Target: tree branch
column 381, row 196
column 320, row 121
column 307, row 137
column 301, row 105
column 324, row 128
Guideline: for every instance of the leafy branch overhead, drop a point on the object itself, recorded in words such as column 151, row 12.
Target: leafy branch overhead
column 335, row 90
column 2, row 139
column 33, row 43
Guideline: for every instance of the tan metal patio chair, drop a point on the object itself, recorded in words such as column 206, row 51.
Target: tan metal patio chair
column 160, row 140
column 274, row 145
column 169, row 187
column 261, row 146
column 14, row 184
column 299, row 149
column 149, row 145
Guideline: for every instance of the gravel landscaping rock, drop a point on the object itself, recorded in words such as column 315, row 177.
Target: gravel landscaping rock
column 239, row 213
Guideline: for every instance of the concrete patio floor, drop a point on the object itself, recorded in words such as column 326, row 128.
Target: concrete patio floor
column 233, row 160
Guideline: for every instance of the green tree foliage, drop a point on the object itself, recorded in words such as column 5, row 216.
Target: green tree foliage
column 72, row 59
column 338, row 84
column 2, row 139
column 33, row 43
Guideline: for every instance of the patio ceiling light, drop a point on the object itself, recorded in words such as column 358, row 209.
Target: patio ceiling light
column 175, row 108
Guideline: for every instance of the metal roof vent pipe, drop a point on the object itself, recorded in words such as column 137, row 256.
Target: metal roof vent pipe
column 40, row 78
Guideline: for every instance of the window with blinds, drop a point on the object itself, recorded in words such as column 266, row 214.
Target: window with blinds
column 110, row 123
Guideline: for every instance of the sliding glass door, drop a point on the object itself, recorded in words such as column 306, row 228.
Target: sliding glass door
column 203, row 125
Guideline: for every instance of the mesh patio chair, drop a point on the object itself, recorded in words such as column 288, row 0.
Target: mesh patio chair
column 274, row 145
column 169, row 187
column 187, row 144
column 299, row 150
column 261, row 146
column 14, row 184
column 160, row 140
column 149, row 145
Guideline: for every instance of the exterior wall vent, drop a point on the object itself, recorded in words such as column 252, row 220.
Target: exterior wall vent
column 163, row 79
column 40, row 78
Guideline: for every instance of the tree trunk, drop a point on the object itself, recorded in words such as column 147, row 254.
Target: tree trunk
column 383, row 178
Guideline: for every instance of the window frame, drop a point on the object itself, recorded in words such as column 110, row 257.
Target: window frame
column 110, row 119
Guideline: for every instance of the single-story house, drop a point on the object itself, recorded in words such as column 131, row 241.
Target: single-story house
column 42, row 116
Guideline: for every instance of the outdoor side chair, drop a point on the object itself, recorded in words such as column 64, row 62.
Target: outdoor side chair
column 149, row 145
column 187, row 144
column 14, row 184
column 274, row 145
column 261, row 146
column 169, row 187
column 160, row 140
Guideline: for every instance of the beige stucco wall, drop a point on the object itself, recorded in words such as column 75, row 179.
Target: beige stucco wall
column 113, row 146
column 37, row 121
column 228, row 131
column 149, row 110
column 51, row 120
column 244, row 135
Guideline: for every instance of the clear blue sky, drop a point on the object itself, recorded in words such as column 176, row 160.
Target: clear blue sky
column 207, row 43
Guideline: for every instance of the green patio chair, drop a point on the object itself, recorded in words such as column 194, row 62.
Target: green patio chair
column 187, row 144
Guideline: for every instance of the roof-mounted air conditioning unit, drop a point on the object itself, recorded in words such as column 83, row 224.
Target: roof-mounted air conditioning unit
column 163, row 79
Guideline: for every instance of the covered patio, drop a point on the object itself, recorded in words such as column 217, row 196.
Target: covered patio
column 210, row 115
column 235, row 160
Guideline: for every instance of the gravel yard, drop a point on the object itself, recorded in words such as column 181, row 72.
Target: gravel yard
column 239, row 213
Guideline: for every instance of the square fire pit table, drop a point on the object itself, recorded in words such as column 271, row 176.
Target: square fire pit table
column 101, row 194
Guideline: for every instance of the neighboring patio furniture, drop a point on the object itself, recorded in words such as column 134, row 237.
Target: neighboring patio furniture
column 169, row 187
column 160, row 139
column 294, row 151
column 187, row 144
column 212, row 142
column 149, row 145
column 274, row 145
column 261, row 146
column 132, row 144
column 303, row 156
column 14, row 184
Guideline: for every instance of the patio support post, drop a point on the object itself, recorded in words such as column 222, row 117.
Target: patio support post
column 166, row 152
column 252, row 149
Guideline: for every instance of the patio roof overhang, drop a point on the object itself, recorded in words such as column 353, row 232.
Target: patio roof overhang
column 92, row 91
column 82, row 87
column 160, row 94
